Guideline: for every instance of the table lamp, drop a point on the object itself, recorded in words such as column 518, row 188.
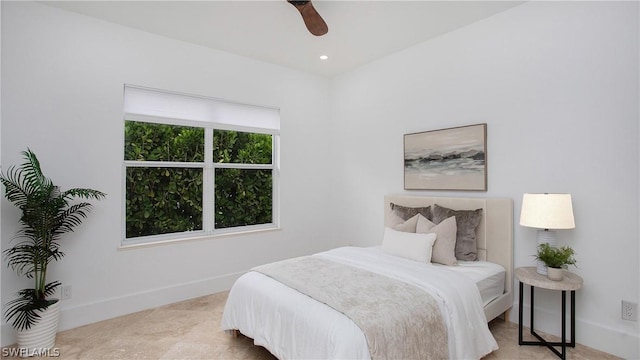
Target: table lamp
column 547, row 212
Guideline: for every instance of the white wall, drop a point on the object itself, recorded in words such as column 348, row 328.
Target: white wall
column 62, row 87
column 1, row 139
column 557, row 84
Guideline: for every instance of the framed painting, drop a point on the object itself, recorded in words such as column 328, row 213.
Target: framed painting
column 446, row 159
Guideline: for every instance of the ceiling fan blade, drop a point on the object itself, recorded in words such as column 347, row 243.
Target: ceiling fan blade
column 314, row 22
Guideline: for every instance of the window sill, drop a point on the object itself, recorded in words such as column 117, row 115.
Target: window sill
column 200, row 237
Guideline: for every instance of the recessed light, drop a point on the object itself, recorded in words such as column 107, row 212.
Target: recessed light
column 323, row 57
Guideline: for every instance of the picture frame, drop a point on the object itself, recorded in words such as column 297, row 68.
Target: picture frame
column 446, row 159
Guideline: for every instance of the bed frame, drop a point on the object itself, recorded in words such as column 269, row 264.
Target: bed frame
column 494, row 235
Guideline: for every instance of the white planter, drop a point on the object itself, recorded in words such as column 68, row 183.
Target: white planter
column 555, row 274
column 41, row 336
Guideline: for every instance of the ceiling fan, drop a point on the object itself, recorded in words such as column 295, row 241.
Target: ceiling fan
column 314, row 22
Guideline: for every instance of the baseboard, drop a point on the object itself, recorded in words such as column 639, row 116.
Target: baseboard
column 90, row 313
column 597, row 336
column 613, row 341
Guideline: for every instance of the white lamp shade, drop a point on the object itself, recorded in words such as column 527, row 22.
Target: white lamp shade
column 547, row 211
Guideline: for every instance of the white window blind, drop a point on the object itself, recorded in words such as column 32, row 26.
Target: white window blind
column 142, row 102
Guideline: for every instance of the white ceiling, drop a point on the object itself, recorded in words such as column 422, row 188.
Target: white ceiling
column 273, row 31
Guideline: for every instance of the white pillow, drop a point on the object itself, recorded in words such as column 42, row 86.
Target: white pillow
column 408, row 245
column 444, row 249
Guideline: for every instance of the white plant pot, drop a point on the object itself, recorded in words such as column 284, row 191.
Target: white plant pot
column 42, row 335
column 555, row 274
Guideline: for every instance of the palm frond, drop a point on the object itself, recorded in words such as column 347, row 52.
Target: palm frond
column 83, row 193
column 20, row 258
column 24, row 309
column 71, row 217
column 23, row 182
column 51, row 287
column 13, row 189
column 33, row 175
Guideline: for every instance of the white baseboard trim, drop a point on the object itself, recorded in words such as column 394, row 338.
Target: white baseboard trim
column 613, row 341
column 603, row 338
column 90, row 313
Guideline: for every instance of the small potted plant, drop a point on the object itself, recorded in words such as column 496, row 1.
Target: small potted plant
column 556, row 259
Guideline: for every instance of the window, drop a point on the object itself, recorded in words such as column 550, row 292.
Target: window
column 196, row 166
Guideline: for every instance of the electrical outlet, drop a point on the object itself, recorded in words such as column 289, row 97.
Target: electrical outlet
column 629, row 310
column 65, row 292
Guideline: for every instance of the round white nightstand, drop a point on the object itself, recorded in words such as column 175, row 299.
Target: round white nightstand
column 570, row 282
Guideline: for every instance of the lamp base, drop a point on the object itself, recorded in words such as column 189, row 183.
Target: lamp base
column 541, row 268
column 545, row 236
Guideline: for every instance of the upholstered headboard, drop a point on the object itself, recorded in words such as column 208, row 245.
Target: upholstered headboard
column 494, row 234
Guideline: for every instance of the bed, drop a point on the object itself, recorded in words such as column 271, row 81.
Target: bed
column 292, row 325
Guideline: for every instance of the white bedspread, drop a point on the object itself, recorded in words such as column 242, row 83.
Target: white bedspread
column 294, row 326
column 489, row 277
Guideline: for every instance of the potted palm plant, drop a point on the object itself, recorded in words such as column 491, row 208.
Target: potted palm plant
column 556, row 259
column 47, row 214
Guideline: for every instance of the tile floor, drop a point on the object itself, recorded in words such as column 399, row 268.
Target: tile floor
column 190, row 330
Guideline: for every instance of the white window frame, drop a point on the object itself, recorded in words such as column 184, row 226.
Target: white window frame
column 209, row 167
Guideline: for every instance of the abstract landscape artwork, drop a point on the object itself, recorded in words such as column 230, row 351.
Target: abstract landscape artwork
column 446, row 159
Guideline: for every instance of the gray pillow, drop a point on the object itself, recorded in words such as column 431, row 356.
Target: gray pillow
column 406, row 213
column 467, row 222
